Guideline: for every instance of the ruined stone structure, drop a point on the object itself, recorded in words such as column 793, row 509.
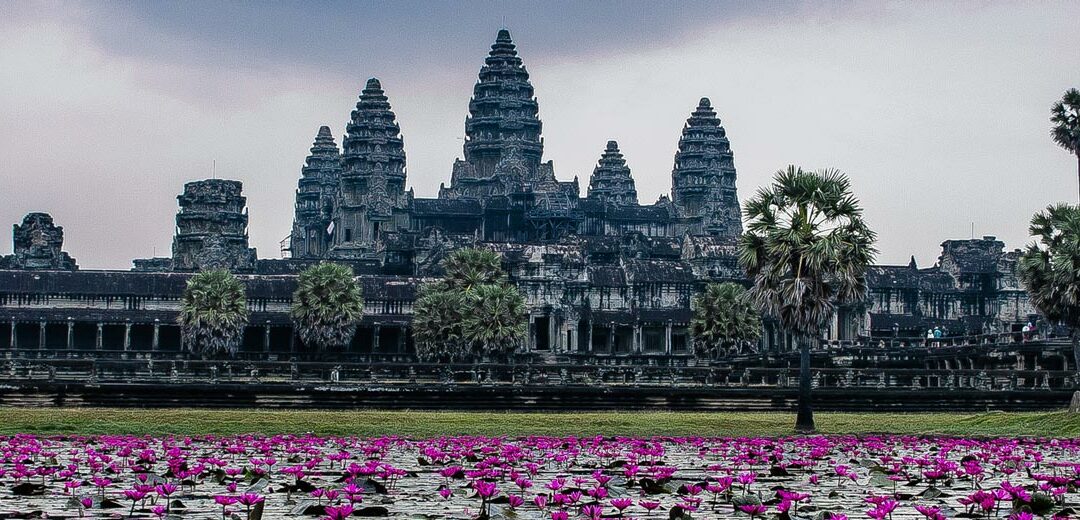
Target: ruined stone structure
column 972, row 289
column 211, row 228
column 37, row 245
column 602, row 274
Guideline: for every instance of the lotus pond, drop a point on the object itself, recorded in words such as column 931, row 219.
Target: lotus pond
column 291, row 476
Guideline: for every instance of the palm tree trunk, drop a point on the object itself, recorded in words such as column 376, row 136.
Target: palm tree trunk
column 1078, row 165
column 804, row 421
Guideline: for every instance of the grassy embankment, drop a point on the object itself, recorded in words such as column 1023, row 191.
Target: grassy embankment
column 427, row 424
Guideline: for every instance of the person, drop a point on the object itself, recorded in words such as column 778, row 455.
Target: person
column 1028, row 331
column 929, row 336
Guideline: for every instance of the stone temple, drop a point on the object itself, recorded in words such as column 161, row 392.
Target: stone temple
column 603, row 273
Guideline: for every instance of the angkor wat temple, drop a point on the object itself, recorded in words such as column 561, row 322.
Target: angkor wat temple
column 603, row 273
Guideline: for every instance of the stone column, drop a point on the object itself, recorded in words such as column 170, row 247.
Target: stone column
column 554, row 338
column 637, row 338
column 156, row 344
column 97, row 339
column 127, row 336
column 70, row 334
column 611, row 337
column 574, row 345
column 266, row 338
column 375, row 339
column 667, row 338
column 41, row 336
column 14, row 337
column 589, row 345
column 531, row 344
column 401, row 340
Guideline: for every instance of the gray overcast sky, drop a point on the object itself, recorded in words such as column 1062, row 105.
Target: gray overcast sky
column 938, row 111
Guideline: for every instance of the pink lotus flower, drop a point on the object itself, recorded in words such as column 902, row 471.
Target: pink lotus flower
column 753, row 510
column 592, row 511
column 339, row 512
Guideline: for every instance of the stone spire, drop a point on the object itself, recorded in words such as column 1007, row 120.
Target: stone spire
column 611, row 180
column 503, row 113
column 703, row 179
column 372, row 186
column 315, row 195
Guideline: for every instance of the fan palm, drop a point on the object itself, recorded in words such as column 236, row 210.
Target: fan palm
column 723, row 318
column 468, row 268
column 806, row 249
column 327, row 306
column 437, row 323
column 1050, row 268
column 473, row 310
column 496, row 322
column 1065, row 115
column 213, row 313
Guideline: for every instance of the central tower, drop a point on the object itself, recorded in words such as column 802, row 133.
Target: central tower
column 503, row 147
column 503, row 114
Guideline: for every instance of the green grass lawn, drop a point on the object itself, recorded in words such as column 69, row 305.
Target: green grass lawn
column 427, row 424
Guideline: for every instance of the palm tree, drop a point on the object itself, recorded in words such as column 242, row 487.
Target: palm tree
column 469, row 268
column 213, row 313
column 473, row 311
column 496, row 324
column 1065, row 115
column 437, row 323
column 327, row 305
column 806, row 249
column 723, row 318
column 1050, row 268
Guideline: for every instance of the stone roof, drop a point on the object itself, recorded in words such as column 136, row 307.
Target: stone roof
column 905, row 277
column 658, row 271
column 606, row 276
column 442, row 207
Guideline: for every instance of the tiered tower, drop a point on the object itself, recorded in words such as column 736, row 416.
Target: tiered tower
column 315, row 197
column 503, row 113
column 503, row 147
column 372, row 188
column 611, row 180
column 211, row 228
column 703, row 179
